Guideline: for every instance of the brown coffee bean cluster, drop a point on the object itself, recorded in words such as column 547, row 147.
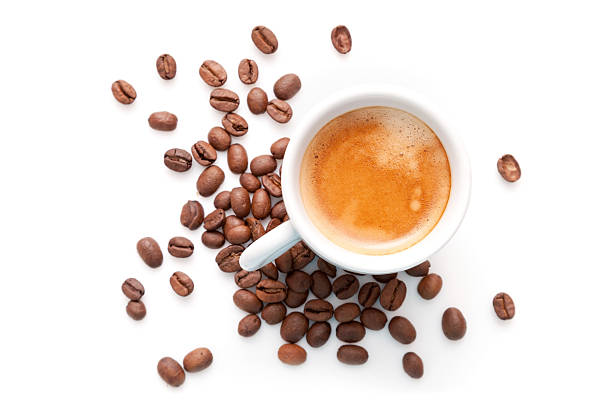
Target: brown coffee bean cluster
column 173, row 374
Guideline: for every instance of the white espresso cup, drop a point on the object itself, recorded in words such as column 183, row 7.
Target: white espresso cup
column 300, row 226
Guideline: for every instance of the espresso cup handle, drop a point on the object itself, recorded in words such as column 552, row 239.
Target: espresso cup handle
column 269, row 247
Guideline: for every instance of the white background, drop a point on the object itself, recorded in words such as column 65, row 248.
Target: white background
column 83, row 179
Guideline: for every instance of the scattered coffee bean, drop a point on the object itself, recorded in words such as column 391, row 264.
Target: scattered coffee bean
column 271, row 291
column 270, row 271
column 347, row 312
column 413, row 365
column 257, row 100
column 237, row 158
column 250, row 182
column 203, row 153
column 321, row 286
column 503, row 306
column 352, row 354
column 210, row 180
column 301, row 255
column 136, row 309
column 219, row 138
column 318, row 310
column 171, row 372
column 257, row 230
column 192, row 215
column 214, row 220
column 421, row 269
column 180, row 247
column 166, row 66
column 287, row 86
column 228, row 258
column 248, row 71
column 368, row 294
column 509, row 168
column 295, row 299
column 223, row 201
column 249, row 325
column 299, row 281
column 232, row 221
column 264, row 39
column 326, row 267
column 294, row 327
column 125, row 93
column 350, row 332
column 274, row 313
column 373, row 319
column 247, row 301
column 393, row 294
column 272, row 184
column 177, row 160
column 278, row 210
column 213, row 73
column 385, row 277
column 278, row 148
column 241, row 201
column 261, row 204
column 238, row 235
column 224, row 100
column 133, row 289
column 262, row 165
column 430, row 286
column 235, row 124
column 341, row 39
column 345, row 286
column 453, row 324
column 213, row 239
column 273, row 223
column 181, row 283
column 149, row 251
column 163, row 121
column 291, row 354
column 197, row 360
column 402, row 330
column 318, row 334
column 279, row 110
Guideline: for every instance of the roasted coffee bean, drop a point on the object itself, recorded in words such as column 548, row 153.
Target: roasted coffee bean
column 453, row 324
column 318, row 310
column 125, row 93
column 224, row 100
column 274, row 313
column 385, row 277
column 272, row 184
column 213, row 239
column 257, row 100
column 509, row 168
column 373, row 319
column 430, row 286
column 299, row 281
column 279, row 110
column 235, row 124
column 171, row 372
column 241, row 201
column 263, row 164
column 284, row 262
column 503, row 306
column 232, row 221
column 421, row 269
column 352, row 354
column 203, row 153
column 219, row 138
column 149, row 251
column 250, row 182
column 271, row 291
column 291, row 354
column 264, row 39
column 214, row 220
column 177, row 160
column 228, row 258
column 237, row 159
column 295, row 299
column 273, row 223
column 318, row 334
column 210, row 180
column 413, row 365
column 350, row 332
column 278, row 148
column 345, row 286
column 321, row 286
column 133, row 289
column 181, row 283
column 213, row 73
column 166, row 66
column 294, row 327
column 347, row 312
column 341, row 39
column 163, row 121
column 326, row 267
column 261, row 204
column 192, row 215
column 368, row 294
column 223, row 201
column 238, row 235
column 287, row 86
column 136, row 309
column 301, row 255
column 249, row 325
column 257, row 230
column 180, row 247
column 248, row 71
column 247, row 301
column 270, row 271
column 197, row 360
column 402, row 330
column 393, row 294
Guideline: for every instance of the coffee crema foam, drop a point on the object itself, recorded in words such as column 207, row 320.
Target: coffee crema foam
column 375, row 180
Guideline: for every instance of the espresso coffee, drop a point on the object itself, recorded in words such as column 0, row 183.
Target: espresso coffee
column 375, row 180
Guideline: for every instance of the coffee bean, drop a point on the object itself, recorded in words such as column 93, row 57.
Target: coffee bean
column 177, row 160
column 503, row 306
column 270, row 271
column 125, row 93
column 197, row 360
column 213, row 73
column 294, row 327
column 241, row 201
column 223, row 201
column 224, row 100
column 257, row 230
column 248, row 71
column 171, row 372
column 341, row 39
column 347, row 312
column 421, row 269
column 453, row 324
column 166, row 66
column 321, row 286
column 318, row 334
column 263, row 164
column 275, row 222
column 163, row 121
column 271, row 291
column 238, row 235
column 385, row 277
column 272, row 184
column 210, row 180
column 368, row 294
column 350, row 332
column 214, row 220
column 250, row 182
column 203, row 153
column 279, row 110
column 261, row 204
column 235, row 124
column 274, row 313
column 299, row 281
column 509, row 168
column 264, row 39
column 352, row 354
column 232, row 221
column 228, row 258
column 291, row 354
column 149, row 251
column 301, row 255
column 345, row 286
column 133, row 289
column 249, row 325
column 278, row 210
column 136, row 309
column 181, row 283
column 393, row 294
column 213, row 239
column 318, row 310
column 192, row 215
column 295, row 299
column 219, row 138
column 413, row 365
column 237, row 159
column 278, row 148
column 287, row 86
column 326, row 267
column 373, row 319
column 257, row 101
column 180, row 247
column 247, row 301
column 402, row 330
column 430, row 286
